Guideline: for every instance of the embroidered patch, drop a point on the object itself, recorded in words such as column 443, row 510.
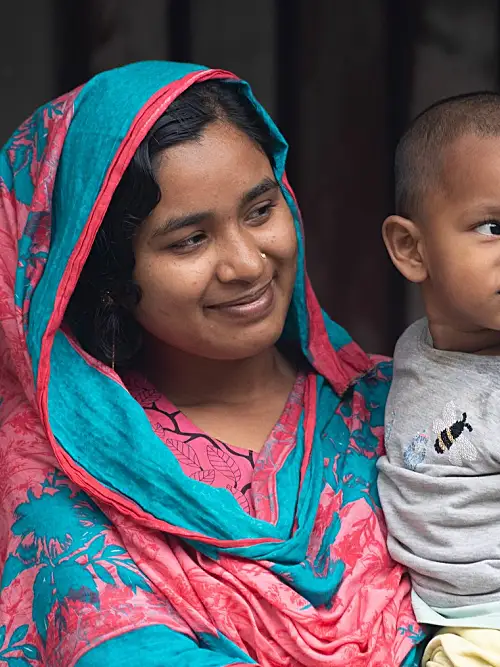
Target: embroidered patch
column 415, row 451
column 452, row 435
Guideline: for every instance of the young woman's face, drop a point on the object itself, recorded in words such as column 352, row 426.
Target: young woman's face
column 216, row 259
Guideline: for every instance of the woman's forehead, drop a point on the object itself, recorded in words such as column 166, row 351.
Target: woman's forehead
column 223, row 162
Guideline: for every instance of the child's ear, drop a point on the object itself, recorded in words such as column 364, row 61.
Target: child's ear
column 404, row 242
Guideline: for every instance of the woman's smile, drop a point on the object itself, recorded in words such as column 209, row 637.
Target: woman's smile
column 250, row 306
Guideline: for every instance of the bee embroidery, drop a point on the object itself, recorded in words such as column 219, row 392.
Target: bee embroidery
column 452, row 435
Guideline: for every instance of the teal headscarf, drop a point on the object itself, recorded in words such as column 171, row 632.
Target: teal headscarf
column 125, row 581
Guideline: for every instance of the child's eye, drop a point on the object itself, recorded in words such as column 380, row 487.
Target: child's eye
column 490, row 228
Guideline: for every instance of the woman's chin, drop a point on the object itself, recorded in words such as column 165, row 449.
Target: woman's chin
column 246, row 347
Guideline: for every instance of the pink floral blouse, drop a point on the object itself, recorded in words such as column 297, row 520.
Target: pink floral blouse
column 208, row 460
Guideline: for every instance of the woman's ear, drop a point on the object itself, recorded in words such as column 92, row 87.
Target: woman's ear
column 404, row 242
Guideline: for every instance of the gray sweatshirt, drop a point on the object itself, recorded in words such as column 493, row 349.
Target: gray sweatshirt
column 439, row 482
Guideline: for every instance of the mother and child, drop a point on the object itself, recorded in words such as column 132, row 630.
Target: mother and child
column 191, row 452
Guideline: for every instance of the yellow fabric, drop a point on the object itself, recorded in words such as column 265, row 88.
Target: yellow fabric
column 463, row 647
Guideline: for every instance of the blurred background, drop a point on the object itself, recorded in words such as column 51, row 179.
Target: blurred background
column 341, row 77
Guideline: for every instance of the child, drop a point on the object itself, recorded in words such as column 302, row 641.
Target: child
column 440, row 479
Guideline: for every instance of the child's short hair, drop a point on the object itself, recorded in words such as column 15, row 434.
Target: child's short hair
column 417, row 162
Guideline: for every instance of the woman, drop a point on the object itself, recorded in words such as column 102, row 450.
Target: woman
column 187, row 478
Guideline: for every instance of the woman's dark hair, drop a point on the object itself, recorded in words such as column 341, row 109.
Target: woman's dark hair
column 99, row 313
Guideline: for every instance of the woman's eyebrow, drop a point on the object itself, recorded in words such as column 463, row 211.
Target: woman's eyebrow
column 266, row 185
column 174, row 224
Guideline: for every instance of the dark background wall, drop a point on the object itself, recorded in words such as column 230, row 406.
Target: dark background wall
column 341, row 77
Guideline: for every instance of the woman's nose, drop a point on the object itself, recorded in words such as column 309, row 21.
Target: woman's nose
column 240, row 259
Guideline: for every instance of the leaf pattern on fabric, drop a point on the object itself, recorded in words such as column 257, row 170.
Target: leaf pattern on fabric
column 69, row 549
column 207, row 476
column 146, row 395
column 239, row 497
column 224, row 463
column 193, row 448
column 45, row 597
column 184, row 452
column 16, row 652
column 13, row 567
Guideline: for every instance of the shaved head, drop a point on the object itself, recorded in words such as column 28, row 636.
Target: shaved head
column 419, row 155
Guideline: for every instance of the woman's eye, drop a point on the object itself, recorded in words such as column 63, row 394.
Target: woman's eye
column 187, row 244
column 490, row 228
column 262, row 212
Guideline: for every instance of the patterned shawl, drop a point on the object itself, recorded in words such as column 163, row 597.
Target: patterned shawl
column 109, row 555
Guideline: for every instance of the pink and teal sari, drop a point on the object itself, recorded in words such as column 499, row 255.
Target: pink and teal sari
column 110, row 554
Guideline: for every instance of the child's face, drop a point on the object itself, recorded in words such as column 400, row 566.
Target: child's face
column 461, row 238
column 453, row 251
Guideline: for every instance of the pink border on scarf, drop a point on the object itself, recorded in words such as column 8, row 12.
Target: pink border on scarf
column 141, row 125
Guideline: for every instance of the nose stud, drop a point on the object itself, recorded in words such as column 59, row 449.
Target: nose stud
column 263, row 255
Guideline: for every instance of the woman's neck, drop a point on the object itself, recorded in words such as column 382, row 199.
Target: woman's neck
column 190, row 381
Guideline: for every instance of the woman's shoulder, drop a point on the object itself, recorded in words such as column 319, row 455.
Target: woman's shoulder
column 380, row 359
column 374, row 385
column 381, row 370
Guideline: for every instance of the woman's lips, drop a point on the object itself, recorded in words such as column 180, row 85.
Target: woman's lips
column 250, row 306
